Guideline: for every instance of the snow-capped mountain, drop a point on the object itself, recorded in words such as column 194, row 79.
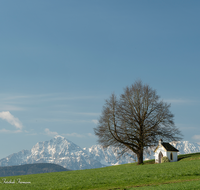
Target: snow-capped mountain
column 61, row 151
column 185, row 147
column 58, row 151
column 108, row 156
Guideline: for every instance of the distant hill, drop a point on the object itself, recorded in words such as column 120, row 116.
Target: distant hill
column 30, row 169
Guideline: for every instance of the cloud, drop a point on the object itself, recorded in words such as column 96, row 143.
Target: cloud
column 79, row 135
column 6, row 115
column 91, row 135
column 183, row 126
column 15, row 97
column 7, row 97
column 50, row 133
column 90, row 114
column 9, row 131
column 82, row 113
column 12, row 108
column 95, row 121
column 65, row 97
column 61, row 120
column 196, row 137
column 177, row 101
column 73, row 135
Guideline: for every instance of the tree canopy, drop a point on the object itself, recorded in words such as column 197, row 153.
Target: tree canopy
column 136, row 121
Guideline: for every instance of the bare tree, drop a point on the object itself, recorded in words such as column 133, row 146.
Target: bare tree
column 136, row 121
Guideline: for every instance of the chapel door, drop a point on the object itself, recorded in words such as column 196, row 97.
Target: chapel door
column 160, row 157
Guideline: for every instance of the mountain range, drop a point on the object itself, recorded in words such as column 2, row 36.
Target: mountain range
column 65, row 153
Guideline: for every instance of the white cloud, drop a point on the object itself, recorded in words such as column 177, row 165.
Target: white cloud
column 91, row 135
column 11, row 108
column 196, row 137
column 79, row 135
column 95, row 121
column 9, row 131
column 73, row 135
column 177, row 101
column 8, row 97
column 6, row 115
column 90, row 114
column 65, row 97
column 50, row 133
column 15, row 97
column 183, row 126
column 60, row 120
column 83, row 113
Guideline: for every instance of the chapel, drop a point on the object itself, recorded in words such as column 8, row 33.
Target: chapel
column 165, row 149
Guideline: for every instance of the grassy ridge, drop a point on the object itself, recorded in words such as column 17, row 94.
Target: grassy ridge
column 124, row 176
column 30, row 169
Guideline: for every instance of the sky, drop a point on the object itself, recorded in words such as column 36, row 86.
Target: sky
column 60, row 61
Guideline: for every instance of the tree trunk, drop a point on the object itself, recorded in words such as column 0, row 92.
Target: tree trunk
column 140, row 157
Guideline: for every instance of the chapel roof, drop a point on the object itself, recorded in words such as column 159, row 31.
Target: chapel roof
column 169, row 147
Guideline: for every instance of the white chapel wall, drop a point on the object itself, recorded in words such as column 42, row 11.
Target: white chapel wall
column 159, row 149
column 174, row 156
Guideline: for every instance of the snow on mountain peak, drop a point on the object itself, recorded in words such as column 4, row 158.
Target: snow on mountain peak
column 59, row 136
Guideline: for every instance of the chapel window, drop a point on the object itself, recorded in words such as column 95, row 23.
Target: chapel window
column 171, row 156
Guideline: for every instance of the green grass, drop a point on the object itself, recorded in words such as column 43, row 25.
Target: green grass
column 189, row 157
column 189, row 185
column 126, row 176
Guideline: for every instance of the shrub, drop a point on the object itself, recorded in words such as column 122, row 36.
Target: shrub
column 164, row 159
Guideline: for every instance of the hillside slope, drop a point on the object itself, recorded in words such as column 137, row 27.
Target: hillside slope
column 126, row 176
column 30, row 169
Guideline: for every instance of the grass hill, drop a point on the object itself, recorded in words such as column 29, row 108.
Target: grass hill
column 30, row 169
column 184, row 174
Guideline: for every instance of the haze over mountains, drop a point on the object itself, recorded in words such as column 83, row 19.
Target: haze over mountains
column 63, row 152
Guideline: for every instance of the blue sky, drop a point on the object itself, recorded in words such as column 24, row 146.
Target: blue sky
column 61, row 59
